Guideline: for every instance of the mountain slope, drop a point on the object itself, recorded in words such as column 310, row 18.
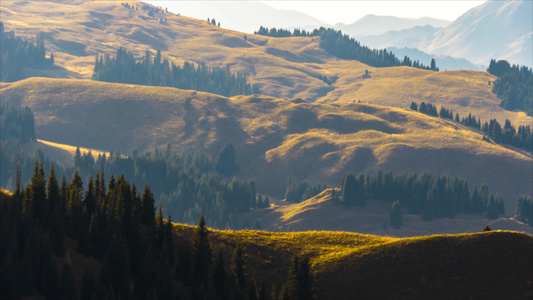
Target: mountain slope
column 282, row 67
column 274, row 138
column 321, row 212
column 410, row 37
column 493, row 265
column 444, row 62
column 244, row 16
column 493, row 30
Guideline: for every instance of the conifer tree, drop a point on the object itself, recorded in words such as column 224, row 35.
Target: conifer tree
column 348, row 193
column 201, row 252
column 226, row 163
column 396, row 219
column 68, row 290
column 300, row 283
column 219, row 274
column 87, row 285
column 237, row 267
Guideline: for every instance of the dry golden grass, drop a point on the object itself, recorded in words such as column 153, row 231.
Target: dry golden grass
column 283, row 67
column 322, row 213
column 71, row 150
column 469, row 266
column 275, row 138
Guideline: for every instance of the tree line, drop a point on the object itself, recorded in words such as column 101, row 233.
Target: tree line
column 425, row 194
column 17, row 53
column 514, row 85
column 46, row 222
column 16, row 124
column 342, row 46
column 187, row 184
column 524, row 209
column 301, row 190
column 125, row 68
column 506, row 134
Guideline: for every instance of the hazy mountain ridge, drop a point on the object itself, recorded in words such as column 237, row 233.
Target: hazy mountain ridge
column 375, row 25
column 444, row 62
column 493, row 30
column 411, row 37
column 282, row 67
column 245, row 16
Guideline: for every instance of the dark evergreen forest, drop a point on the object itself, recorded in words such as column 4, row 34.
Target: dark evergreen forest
column 187, row 184
column 17, row 53
column 298, row 191
column 342, row 46
column 16, row 124
column 125, row 68
column 514, row 85
column 524, row 209
column 134, row 252
column 421, row 194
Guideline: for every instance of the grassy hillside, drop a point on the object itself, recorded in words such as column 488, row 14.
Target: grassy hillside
column 274, row 138
column 489, row 265
column 322, row 213
column 283, row 67
column 492, row 265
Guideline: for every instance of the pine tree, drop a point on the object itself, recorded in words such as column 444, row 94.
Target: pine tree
column 68, row 290
column 492, row 210
column 148, row 207
column 396, row 219
column 37, row 197
column 201, row 253
column 433, row 65
column 237, row 267
column 219, row 274
column 300, row 282
column 87, row 285
column 226, row 163
column 348, row 193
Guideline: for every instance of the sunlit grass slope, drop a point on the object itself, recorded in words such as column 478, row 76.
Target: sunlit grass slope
column 275, row 138
column 321, row 212
column 493, row 265
column 284, row 67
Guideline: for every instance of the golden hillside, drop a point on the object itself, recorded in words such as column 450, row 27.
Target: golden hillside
column 322, row 213
column 274, row 138
column 492, row 265
column 284, row 67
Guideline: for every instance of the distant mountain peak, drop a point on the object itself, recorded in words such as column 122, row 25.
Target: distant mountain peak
column 372, row 24
column 491, row 30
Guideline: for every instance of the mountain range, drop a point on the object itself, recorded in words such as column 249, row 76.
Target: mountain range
column 369, row 179
column 493, row 30
column 302, row 127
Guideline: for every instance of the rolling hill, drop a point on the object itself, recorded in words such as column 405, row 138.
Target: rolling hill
column 282, row 67
column 464, row 266
column 488, row 265
column 321, row 212
column 274, row 138
column 355, row 124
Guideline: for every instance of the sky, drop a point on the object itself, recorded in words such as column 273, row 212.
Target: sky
column 332, row 12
